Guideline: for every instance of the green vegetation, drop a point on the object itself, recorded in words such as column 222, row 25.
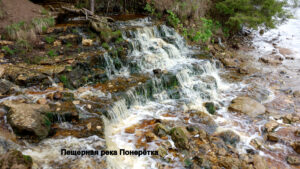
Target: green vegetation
column 44, row 12
column 7, row 50
column 68, row 45
column 64, row 80
column 25, row 44
column 149, row 8
column 105, row 46
column 49, row 39
column 52, row 53
column 27, row 158
column 41, row 24
column 206, row 31
column 47, row 122
column 173, row 20
column 233, row 14
column 119, row 40
column 227, row 15
column 27, row 31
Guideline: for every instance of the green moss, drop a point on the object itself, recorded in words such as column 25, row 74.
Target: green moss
column 210, row 107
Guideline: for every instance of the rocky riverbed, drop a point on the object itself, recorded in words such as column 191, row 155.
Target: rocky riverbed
column 141, row 86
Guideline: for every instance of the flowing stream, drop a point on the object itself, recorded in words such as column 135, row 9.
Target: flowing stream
column 183, row 83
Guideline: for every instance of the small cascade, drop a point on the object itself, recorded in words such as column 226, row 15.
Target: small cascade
column 184, row 81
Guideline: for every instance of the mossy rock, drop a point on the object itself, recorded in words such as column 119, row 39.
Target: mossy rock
column 160, row 130
column 180, row 138
column 210, row 107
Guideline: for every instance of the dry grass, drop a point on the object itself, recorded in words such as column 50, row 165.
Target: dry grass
column 23, row 31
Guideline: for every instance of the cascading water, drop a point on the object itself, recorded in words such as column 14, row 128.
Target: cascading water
column 192, row 83
column 183, row 83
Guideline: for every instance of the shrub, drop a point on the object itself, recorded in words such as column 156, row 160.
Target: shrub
column 234, row 14
column 149, row 8
column 173, row 20
column 206, row 30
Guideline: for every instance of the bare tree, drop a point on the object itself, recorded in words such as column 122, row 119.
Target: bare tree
column 92, row 6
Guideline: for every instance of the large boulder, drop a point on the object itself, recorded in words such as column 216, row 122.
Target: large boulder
column 28, row 119
column 247, row 106
column 15, row 160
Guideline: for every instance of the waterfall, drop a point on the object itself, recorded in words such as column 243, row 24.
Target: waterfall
column 185, row 80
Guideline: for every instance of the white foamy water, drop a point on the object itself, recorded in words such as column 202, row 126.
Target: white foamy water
column 286, row 35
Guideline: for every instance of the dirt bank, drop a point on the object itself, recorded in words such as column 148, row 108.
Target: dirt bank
column 18, row 10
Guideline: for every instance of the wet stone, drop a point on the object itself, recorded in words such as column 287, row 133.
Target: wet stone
column 272, row 137
column 179, row 136
column 296, row 146
column 14, row 159
column 259, row 162
column 271, row 126
column 204, row 121
column 229, row 162
column 130, row 130
column 293, row 160
column 229, row 137
column 297, row 133
column 150, row 136
column 5, row 86
column 247, row 106
column 210, row 107
column 28, row 120
column 160, row 130
column 6, row 144
column 157, row 71
column 296, row 93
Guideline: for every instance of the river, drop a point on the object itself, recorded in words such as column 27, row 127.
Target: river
column 180, row 86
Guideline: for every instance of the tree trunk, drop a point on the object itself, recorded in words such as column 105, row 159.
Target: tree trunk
column 92, row 6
